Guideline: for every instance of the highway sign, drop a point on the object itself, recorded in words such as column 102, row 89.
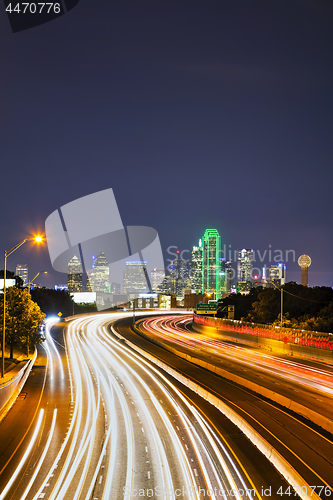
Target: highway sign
column 207, row 308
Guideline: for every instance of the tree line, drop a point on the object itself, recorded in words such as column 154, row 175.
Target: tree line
column 25, row 312
column 303, row 307
column 23, row 319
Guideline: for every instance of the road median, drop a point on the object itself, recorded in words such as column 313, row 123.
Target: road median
column 315, row 417
column 279, row 462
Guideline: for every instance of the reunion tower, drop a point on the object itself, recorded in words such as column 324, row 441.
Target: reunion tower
column 304, row 261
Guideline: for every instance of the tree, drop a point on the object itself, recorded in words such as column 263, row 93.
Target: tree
column 267, row 306
column 53, row 301
column 23, row 319
column 242, row 302
column 11, row 275
column 300, row 300
column 304, row 307
column 321, row 323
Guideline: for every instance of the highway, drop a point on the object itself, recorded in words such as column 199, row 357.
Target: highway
column 35, row 427
column 108, row 424
column 306, row 447
column 309, row 383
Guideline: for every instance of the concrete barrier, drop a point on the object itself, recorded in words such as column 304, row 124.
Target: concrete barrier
column 279, row 462
column 11, row 388
column 315, row 417
column 267, row 344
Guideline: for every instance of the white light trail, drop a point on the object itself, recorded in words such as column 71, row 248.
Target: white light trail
column 166, row 328
column 41, row 460
column 25, row 456
column 53, row 346
column 110, row 387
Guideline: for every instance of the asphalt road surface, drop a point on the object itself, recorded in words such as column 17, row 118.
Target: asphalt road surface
column 96, row 420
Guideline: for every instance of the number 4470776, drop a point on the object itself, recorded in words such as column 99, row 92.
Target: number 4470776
column 302, row 491
column 33, row 8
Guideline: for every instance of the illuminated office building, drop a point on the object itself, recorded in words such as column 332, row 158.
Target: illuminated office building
column 74, row 276
column 115, row 288
column 156, row 278
column 22, row 272
column 165, row 286
column 223, row 284
column 135, row 277
column 61, row 288
column 211, row 263
column 244, row 270
column 196, row 268
column 227, row 275
column 99, row 275
column 277, row 274
column 179, row 279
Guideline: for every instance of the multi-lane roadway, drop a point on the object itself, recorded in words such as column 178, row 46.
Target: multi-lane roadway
column 97, row 420
column 306, row 447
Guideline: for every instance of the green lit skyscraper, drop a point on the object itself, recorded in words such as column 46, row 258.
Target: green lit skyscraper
column 211, row 264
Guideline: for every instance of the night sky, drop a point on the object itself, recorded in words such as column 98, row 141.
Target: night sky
column 197, row 113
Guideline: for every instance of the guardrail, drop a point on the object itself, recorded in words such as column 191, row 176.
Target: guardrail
column 15, row 383
column 308, row 338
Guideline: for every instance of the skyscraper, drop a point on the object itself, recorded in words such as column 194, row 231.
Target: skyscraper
column 277, row 274
column 22, row 272
column 135, row 277
column 74, row 276
column 115, row 288
column 244, row 270
column 156, row 278
column 229, row 270
column 227, row 275
column 211, row 263
column 99, row 275
column 165, row 287
column 196, row 268
column 179, row 277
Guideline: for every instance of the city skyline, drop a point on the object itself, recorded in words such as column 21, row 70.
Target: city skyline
column 208, row 273
column 238, row 116
column 260, row 262
column 173, row 161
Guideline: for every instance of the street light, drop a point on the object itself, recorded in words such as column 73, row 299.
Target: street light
column 37, row 239
column 31, row 281
column 281, row 290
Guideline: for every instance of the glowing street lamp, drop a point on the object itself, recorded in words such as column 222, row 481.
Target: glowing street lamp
column 37, row 239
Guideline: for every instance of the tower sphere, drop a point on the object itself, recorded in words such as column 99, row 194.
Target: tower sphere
column 304, row 261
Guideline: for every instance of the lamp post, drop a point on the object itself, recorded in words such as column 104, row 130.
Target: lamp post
column 37, row 239
column 133, row 312
column 281, row 291
column 31, row 281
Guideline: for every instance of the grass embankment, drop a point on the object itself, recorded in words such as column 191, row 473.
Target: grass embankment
column 18, row 356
